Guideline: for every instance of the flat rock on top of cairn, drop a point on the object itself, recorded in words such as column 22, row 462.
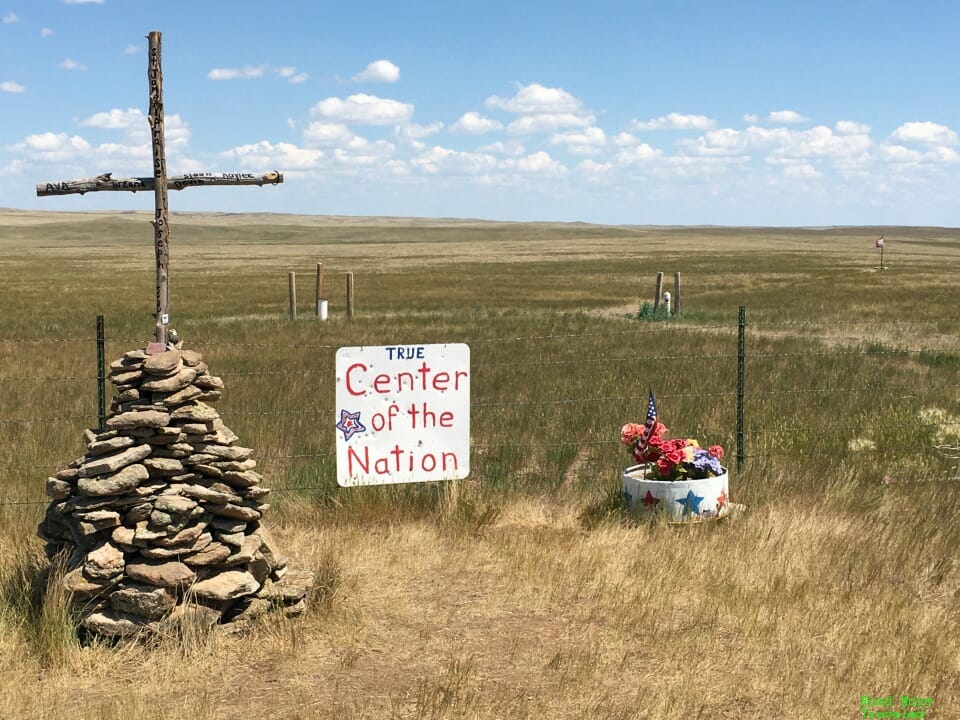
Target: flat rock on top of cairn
column 161, row 520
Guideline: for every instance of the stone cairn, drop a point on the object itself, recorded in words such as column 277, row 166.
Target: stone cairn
column 160, row 521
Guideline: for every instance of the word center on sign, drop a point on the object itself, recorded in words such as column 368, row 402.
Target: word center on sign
column 402, row 414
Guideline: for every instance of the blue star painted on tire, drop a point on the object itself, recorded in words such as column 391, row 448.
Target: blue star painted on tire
column 350, row 424
column 691, row 503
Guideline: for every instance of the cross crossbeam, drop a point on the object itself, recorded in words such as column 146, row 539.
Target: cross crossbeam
column 106, row 182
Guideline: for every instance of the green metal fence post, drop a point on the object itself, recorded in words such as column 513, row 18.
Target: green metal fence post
column 101, row 378
column 741, row 357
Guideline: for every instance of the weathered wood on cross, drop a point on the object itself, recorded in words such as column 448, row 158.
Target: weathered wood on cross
column 159, row 183
column 107, row 182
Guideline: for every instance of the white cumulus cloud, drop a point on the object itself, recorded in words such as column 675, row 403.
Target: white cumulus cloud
column 542, row 109
column 819, row 141
column 378, row 71
column 925, row 133
column 440, row 160
column 473, row 123
column 71, row 64
column 849, row 127
column 11, row 18
column 11, row 86
column 265, row 155
column 535, row 98
column 290, row 74
column 364, row 109
column 116, row 119
column 133, row 49
column 804, row 171
column 83, row 2
column 252, row 72
column 588, row 136
column 53, row 147
column 412, row 131
column 327, row 134
column 751, row 118
column 247, row 72
column 787, row 117
column 45, row 32
column 592, row 167
column 509, row 148
column 540, row 163
column 584, row 142
column 638, row 154
column 943, row 154
column 899, row 154
column 137, row 129
column 676, row 121
column 548, row 122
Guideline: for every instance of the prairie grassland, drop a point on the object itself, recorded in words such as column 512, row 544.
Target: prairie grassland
column 524, row 591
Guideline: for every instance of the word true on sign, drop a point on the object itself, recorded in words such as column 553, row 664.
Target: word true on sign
column 403, row 414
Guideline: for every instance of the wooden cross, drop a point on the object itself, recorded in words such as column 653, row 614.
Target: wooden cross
column 159, row 183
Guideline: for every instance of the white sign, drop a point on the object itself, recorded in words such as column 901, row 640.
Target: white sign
column 403, row 414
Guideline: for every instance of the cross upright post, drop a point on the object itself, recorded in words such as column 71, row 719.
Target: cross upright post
column 161, row 236
column 159, row 183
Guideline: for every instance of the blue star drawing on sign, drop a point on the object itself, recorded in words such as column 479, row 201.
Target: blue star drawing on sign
column 691, row 503
column 627, row 497
column 350, row 424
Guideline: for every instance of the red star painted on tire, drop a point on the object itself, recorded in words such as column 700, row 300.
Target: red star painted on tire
column 650, row 501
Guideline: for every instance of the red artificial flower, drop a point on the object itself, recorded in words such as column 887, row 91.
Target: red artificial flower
column 715, row 451
column 675, row 456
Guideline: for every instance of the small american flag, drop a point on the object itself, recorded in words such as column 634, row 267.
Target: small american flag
column 650, row 423
column 879, row 243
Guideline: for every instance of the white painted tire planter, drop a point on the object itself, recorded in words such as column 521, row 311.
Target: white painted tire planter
column 681, row 501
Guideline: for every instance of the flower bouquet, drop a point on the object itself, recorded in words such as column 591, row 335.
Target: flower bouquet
column 675, row 459
column 674, row 476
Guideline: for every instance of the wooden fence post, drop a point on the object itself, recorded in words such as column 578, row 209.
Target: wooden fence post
column 349, row 294
column 676, row 292
column 319, row 286
column 656, row 293
column 293, row 295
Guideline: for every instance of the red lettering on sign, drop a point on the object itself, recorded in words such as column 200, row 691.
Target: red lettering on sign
column 364, row 463
column 350, row 369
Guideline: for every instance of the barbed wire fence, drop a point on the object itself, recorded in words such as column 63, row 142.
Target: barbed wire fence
column 751, row 441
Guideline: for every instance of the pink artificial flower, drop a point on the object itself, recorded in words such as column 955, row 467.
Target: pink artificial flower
column 630, row 433
column 715, row 451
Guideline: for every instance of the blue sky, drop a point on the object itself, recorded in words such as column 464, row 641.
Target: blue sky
column 749, row 113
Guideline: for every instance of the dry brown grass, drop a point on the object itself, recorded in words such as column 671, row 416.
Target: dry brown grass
column 782, row 609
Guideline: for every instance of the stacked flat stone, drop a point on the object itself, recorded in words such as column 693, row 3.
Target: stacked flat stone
column 161, row 521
